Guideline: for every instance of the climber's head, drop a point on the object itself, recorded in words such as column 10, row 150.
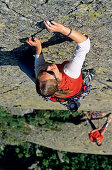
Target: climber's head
column 45, row 75
column 99, row 141
column 48, row 80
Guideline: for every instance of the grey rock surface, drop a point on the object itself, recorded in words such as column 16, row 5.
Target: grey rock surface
column 71, row 138
column 21, row 19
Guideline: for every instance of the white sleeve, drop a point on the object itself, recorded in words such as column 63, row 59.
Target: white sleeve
column 39, row 61
column 73, row 68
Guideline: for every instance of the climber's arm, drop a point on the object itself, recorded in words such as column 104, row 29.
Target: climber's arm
column 104, row 130
column 39, row 59
column 73, row 68
column 73, row 34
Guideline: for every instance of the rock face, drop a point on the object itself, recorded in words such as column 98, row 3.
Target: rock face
column 71, row 138
column 21, row 19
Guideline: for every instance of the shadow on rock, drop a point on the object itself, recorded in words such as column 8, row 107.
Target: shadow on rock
column 78, row 119
column 23, row 56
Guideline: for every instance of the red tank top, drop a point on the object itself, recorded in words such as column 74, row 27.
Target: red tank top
column 95, row 135
column 68, row 83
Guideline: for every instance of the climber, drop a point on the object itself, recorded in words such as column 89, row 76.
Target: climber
column 97, row 134
column 60, row 80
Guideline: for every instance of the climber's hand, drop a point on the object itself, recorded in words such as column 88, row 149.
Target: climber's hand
column 36, row 43
column 54, row 26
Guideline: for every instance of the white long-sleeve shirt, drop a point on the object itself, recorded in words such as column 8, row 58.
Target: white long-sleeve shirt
column 73, row 68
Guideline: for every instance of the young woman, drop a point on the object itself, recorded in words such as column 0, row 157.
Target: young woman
column 60, row 80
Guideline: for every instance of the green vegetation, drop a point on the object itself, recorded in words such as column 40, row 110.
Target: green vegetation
column 26, row 155
column 10, row 124
column 51, row 119
column 48, row 118
column 25, row 150
column 73, row 161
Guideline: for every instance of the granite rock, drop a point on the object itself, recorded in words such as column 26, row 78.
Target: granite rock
column 23, row 18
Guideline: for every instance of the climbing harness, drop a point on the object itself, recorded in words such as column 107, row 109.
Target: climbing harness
column 72, row 103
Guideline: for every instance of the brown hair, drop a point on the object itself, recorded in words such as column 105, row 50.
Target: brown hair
column 46, row 88
column 49, row 88
column 99, row 144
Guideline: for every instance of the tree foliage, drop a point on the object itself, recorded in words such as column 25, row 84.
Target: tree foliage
column 25, row 154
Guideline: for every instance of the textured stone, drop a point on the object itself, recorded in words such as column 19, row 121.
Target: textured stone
column 70, row 138
column 21, row 19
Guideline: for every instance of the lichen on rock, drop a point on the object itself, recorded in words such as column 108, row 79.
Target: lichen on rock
column 21, row 19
